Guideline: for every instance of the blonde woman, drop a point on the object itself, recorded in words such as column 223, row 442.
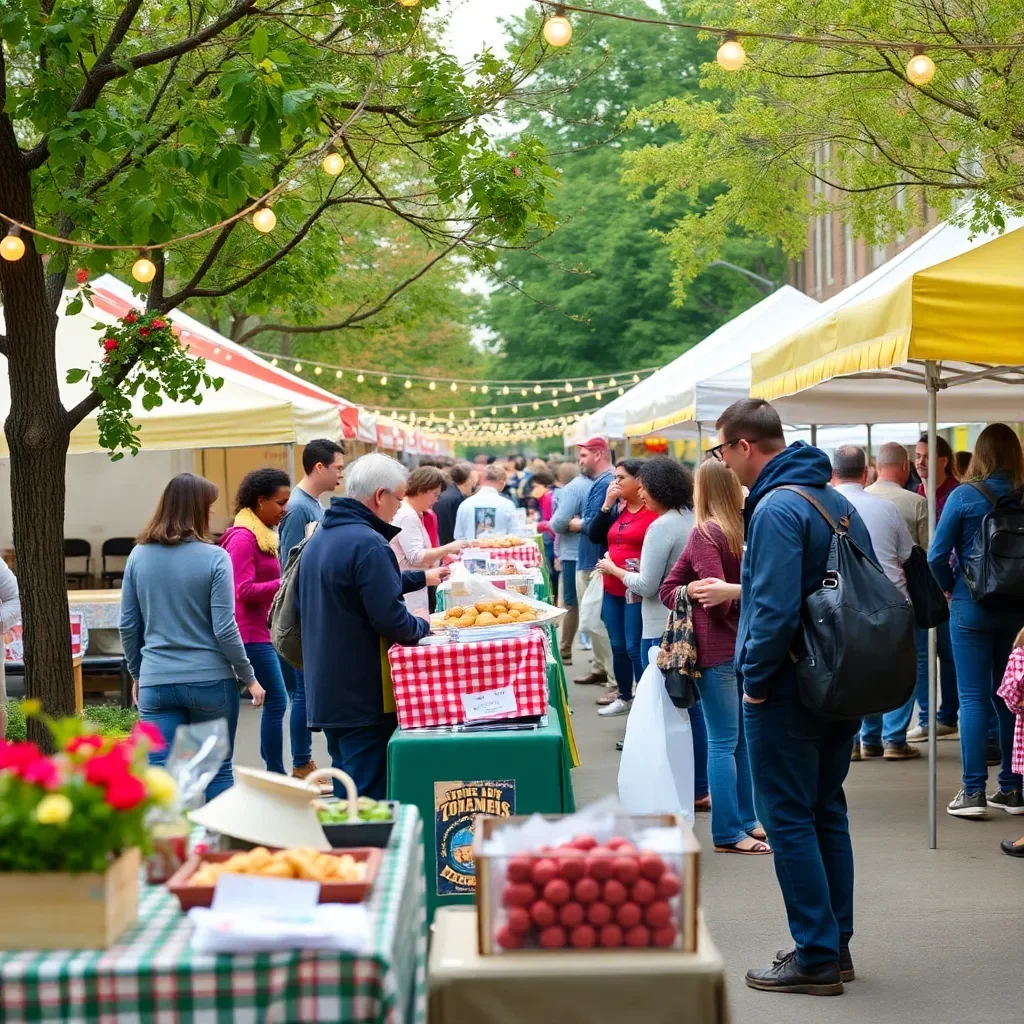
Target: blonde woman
column 710, row 564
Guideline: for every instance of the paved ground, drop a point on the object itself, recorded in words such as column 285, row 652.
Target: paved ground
column 940, row 934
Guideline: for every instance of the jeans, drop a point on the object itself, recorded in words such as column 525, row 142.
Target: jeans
column 300, row 734
column 982, row 641
column 798, row 763
column 625, row 626
column 572, row 617
column 362, row 752
column 889, row 729
column 601, row 656
column 949, row 706
column 169, row 705
column 728, row 767
column 267, row 666
column 698, row 730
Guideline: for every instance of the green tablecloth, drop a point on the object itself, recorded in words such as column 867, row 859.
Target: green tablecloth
column 152, row 974
column 452, row 776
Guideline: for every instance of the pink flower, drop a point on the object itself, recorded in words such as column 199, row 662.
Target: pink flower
column 110, row 344
column 149, row 732
column 125, row 792
column 129, row 318
column 517, row 171
column 81, row 275
column 512, row 155
column 18, row 756
column 84, row 745
column 157, row 323
column 106, row 768
column 42, row 772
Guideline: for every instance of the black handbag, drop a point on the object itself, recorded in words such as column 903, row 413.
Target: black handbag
column 931, row 608
column 677, row 658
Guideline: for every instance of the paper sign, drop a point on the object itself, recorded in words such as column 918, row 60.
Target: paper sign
column 456, row 805
column 489, row 703
column 282, row 899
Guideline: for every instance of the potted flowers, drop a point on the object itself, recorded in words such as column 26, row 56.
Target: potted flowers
column 72, row 829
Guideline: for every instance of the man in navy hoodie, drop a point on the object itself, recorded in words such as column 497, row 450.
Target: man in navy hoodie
column 798, row 761
column 350, row 602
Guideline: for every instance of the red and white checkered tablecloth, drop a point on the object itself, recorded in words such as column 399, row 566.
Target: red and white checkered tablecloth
column 527, row 554
column 429, row 681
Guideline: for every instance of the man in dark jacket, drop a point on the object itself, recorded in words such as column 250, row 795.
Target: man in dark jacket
column 350, row 601
column 798, row 761
column 462, row 486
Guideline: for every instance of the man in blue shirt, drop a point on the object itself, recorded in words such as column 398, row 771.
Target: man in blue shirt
column 322, row 463
column 596, row 464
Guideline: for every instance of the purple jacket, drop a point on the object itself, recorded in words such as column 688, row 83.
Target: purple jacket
column 257, row 577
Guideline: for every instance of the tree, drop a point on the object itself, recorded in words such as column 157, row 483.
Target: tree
column 128, row 127
column 594, row 295
column 803, row 130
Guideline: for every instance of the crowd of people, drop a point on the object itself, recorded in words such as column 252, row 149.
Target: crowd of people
column 733, row 545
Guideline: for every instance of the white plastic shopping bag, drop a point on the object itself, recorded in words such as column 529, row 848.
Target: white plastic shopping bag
column 656, row 770
column 590, row 607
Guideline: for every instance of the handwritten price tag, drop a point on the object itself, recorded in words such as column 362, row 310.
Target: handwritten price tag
column 489, row 703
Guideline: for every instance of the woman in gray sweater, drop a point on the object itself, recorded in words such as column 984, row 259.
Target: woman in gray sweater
column 178, row 625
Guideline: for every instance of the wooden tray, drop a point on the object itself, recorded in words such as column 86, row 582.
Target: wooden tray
column 190, row 896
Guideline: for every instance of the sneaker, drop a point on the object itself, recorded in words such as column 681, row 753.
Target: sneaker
column 585, row 644
column 968, row 805
column 900, row 752
column 870, row 750
column 1012, row 802
column 786, row 975
column 846, row 971
column 617, row 707
column 942, row 732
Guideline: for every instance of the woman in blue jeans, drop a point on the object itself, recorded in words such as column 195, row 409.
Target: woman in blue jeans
column 178, row 625
column 982, row 638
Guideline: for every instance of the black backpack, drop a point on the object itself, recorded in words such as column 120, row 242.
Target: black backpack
column 994, row 569
column 858, row 656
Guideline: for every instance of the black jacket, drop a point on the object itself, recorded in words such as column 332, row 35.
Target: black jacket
column 350, row 600
column 445, row 509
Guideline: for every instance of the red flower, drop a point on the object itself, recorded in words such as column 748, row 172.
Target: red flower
column 143, row 332
column 84, row 744
column 81, row 275
column 42, row 772
column 18, row 756
column 110, row 344
column 149, row 732
column 106, row 768
column 125, row 792
column 157, row 323
column 129, row 318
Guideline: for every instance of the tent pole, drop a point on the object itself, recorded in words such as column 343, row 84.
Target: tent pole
column 932, row 383
column 868, row 425
column 700, row 444
column 814, row 435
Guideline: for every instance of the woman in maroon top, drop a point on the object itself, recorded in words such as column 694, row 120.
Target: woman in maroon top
column 713, row 552
column 623, row 522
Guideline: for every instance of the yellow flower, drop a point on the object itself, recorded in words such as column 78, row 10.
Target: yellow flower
column 31, row 706
column 53, row 809
column 160, row 786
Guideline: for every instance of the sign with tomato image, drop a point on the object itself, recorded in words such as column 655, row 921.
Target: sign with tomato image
column 456, row 804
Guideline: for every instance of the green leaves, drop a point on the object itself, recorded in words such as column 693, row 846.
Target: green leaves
column 74, row 376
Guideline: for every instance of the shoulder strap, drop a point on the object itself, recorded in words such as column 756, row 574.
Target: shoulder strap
column 984, row 490
column 844, row 521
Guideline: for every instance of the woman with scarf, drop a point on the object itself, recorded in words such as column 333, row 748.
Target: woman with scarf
column 253, row 545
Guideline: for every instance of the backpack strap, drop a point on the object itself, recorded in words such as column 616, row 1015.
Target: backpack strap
column 844, row 521
column 984, row 490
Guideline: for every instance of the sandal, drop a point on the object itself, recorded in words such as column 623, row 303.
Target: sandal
column 759, row 849
column 759, row 834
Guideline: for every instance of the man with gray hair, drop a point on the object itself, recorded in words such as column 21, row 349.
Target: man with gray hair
column 880, row 735
column 351, row 607
column 488, row 512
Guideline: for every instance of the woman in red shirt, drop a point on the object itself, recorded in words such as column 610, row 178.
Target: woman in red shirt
column 623, row 521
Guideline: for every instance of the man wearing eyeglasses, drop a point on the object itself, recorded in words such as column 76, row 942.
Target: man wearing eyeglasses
column 798, row 761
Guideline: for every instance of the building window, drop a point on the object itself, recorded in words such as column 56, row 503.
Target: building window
column 849, row 255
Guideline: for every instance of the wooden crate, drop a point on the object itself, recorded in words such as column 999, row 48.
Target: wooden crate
column 53, row 910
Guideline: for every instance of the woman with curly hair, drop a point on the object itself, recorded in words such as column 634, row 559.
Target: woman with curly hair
column 253, row 546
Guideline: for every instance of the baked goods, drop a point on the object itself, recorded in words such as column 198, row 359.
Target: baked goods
column 488, row 612
column 489, row 543
column 298, row 863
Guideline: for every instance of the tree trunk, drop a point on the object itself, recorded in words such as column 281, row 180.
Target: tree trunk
column 38, row 437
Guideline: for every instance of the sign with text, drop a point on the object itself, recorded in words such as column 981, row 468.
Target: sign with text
column 456, row 804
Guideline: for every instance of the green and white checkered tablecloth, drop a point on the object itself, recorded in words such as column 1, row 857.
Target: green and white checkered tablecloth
column 153, row 976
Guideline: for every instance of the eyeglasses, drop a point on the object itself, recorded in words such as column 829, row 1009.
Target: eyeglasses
column 717, row 453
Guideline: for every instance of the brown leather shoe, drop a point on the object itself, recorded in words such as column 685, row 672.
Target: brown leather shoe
column 326, row 787
column 593, row 679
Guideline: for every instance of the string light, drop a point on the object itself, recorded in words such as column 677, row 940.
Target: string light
column 611, row 382
column 298, row 367
column 407, row 385
column 494, row 410
column 636, row 378
column 555, row 403
column 622, row 391
column 590, row 385
column 731, row 56
column 12, row 248
column 597, row 395
column 558, row 29
column 504, row 390
column 383, row 382
column 576, row 398
column 143, row 269
column 523, row 392
column 515, row 409
column 920, row 67
column 484, row 389
column 432, row 385
column 473, row 388
column 333, row 164
column 264, row 219
column 318, row 370
column 338, row 374
column 273, row 362
column 360, row 378
column 536, row 405
column 568, row 386
column 454, row 387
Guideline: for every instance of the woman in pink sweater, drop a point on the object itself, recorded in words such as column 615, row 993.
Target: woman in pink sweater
column 252, row 544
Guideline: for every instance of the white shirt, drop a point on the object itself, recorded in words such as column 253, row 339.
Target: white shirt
column 889, row 534
column 409, row 547
column 486, row 513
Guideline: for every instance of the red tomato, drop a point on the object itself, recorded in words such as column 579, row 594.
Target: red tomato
column 586, row 890
column 626, row 869
column 519, row 869
column 614, row 892
column 570, row 915
column 583, row 937
column 519, row 920
column 629, row 915
column 553, row 937
column 611, row 936
column 599, row 864
column 543, row 914
column 652, row 866
column 643, row 892
column 638, row 937
column 543, row 871
column 584, row 843
column 556, row 891
column 668, row 885
column 599, row 913
column 658, row 914
column 518, row 894
column 509, row 939
column 666, row 936
column 571, row 865
column 615, row 842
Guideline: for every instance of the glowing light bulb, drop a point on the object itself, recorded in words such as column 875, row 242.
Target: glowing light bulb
column 264, row 220
column 554, row 404
column 731, row 56
column 920, row 69
column 536, row 405
column 590, row 385
column 515, row 409
column 523, row 392
column 636, row 378
column 472, row 414
column 536, row 389
column 504, row 390
column 12, row 248
column 597, row 395
column 333, row 164
column 407, row 385
column 568, row 386
column 318, row 370
column 273, row 362
column 383, row 382
column 472, row 388
column 484, row 389
column 494, row 410
column 558, row 30
column 144, row 269
column 453, row 387
column 554, row 392
column 338, row 374
column 575, row 398
column 622, row 391
column 432, row 385
column 360, row 378
column 298, row 368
